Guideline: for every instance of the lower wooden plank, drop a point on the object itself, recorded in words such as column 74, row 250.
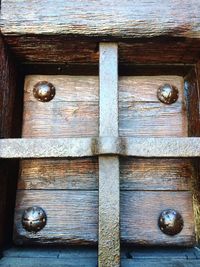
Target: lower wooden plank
column 73, row 217
column 49, row 262
column 81, row 256
column 79, row 173
column 82, row 173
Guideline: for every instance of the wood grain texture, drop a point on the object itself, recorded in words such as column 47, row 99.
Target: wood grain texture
column 69, row 88
column 87, row 257
column 78, row 174
column 130, row 20
column 155, row 174
column 140, row 112
column 152, row 119
column 61, row 49
column 59, row 174
column 192, row 90
column 73, row 217
column 58, row 119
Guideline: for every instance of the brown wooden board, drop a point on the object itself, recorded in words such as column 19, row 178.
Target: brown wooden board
column 72, row 217
column 132, row 19
column 135, row 174
column 74, row 109
column 87, row 257
column 192, row 92
column 68, row 51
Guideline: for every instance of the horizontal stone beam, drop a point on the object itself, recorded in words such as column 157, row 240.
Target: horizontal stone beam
column 86, row 147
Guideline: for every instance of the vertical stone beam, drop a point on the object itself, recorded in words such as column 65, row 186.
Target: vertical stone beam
column 109, row 197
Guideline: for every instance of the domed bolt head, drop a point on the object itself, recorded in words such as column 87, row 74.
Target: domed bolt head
column 170, row 222
column 44, row 91
column 34, row 219
column 167, row 94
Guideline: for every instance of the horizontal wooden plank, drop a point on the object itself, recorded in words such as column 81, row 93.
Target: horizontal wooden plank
column 58, row 49
column 59, row 174
column 148, row 147
column 68, row 87
column 130, row 20
column 81, row 256
column 135, row 174
column 81, row 252
column 58, row 119
column 86, row 88
column 78, row 119
column 84, row 262
column 155, row 174
column 144, row 88
column 73, row 217
column 152, row 119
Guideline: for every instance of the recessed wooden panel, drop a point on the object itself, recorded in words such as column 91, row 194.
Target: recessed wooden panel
column 74, row 109
column 72, row 217
column 135, row 174
column 67, row 188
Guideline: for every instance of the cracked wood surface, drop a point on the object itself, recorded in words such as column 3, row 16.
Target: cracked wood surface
column 72, row 217
column 103, row 19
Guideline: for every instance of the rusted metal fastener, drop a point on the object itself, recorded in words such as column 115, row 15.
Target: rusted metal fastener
column 34, row 219
column 167, row 94
column 44, row 91
column 170, row 222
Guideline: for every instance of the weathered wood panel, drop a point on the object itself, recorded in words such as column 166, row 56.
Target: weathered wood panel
column 74, row 110
column 69, row 88
column 192, row 92
column 135, row 174
column 73, row 217
column 59, row 49
column 59, row 119
column 87, row 257
column 155, row 174
column 72, row 88
column 59, row 174
column 152, row 119
column 130, row 20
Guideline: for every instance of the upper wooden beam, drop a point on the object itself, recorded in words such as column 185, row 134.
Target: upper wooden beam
column 103, row 18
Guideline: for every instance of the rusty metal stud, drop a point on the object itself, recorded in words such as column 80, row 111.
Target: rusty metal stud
column 44, row 91
column 170, row 222
column 34, row 219
column 167, row 94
